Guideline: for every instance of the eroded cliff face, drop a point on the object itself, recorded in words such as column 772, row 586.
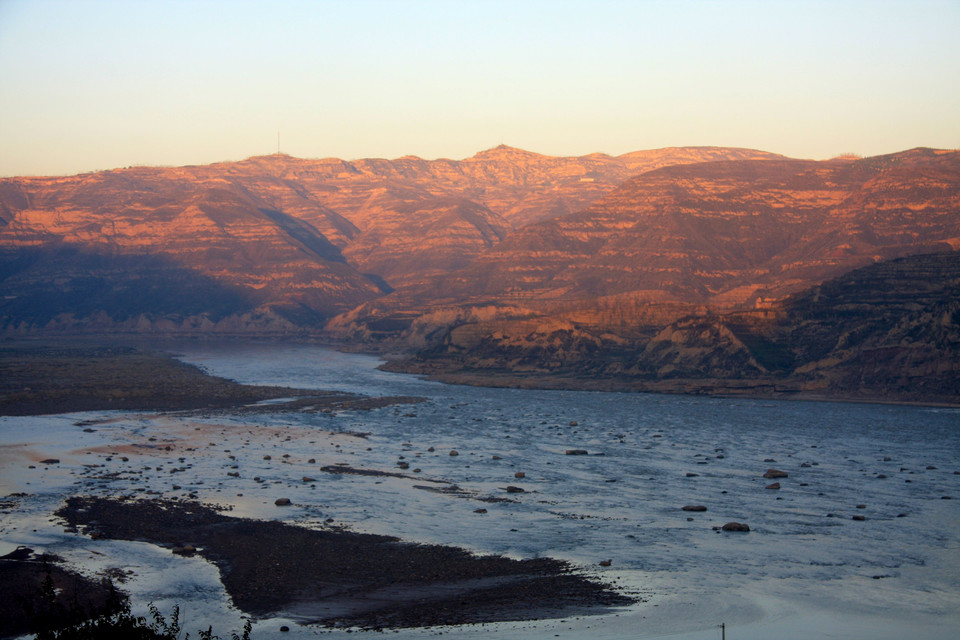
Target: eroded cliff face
column 290, row 241
column 725, row 234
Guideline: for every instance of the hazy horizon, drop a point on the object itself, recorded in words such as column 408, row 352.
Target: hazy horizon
column 93, row 85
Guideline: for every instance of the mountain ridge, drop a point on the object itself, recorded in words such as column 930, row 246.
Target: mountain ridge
column 603, row 253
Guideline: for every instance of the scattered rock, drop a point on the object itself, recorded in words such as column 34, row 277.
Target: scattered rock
column 694, row 507
column 267, row 458
column 690, row 474
column 859, row 518
column 282, row 502
column 308, row 479
column 519, row 474
column 513, row 489
column 454, row 452
column 775, row 473
column 50, row 461
column 735, row 526
column 480, row 510
column 577, row 452
column 606, row 563
column 775, row 486
column 861, row 506
column 185, row 550
column 574, row 423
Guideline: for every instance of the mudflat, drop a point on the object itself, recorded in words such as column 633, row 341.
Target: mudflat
column 339, row 578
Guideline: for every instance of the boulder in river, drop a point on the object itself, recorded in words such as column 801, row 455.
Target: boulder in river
column 735, row 526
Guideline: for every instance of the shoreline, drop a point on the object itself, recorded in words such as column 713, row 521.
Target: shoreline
column 212, row 392
column 54, row 378
column 682, row 387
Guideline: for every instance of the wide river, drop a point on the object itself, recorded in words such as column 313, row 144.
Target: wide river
column 806, row 568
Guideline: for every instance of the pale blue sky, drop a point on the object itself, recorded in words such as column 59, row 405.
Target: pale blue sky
column 94, row 85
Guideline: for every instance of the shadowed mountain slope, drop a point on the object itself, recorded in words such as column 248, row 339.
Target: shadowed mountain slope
column 121, row 234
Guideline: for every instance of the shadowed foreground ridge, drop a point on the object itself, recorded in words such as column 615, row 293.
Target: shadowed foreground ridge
column 889, row 331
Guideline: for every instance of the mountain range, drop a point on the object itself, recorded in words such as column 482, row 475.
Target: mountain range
column 505, row 263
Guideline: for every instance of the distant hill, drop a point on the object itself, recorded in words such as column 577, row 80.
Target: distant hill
column 273, row 243
column 726, row 233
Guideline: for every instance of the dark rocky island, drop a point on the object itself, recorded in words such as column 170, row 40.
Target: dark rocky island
column 342, row 579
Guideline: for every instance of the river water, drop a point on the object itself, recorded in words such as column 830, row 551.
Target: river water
column 805, row 569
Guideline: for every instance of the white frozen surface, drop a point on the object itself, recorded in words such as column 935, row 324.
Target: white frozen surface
column 799, row 573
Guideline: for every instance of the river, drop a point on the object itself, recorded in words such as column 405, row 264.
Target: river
column 806, row 568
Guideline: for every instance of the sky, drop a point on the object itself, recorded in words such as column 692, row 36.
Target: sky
column 91, row 85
